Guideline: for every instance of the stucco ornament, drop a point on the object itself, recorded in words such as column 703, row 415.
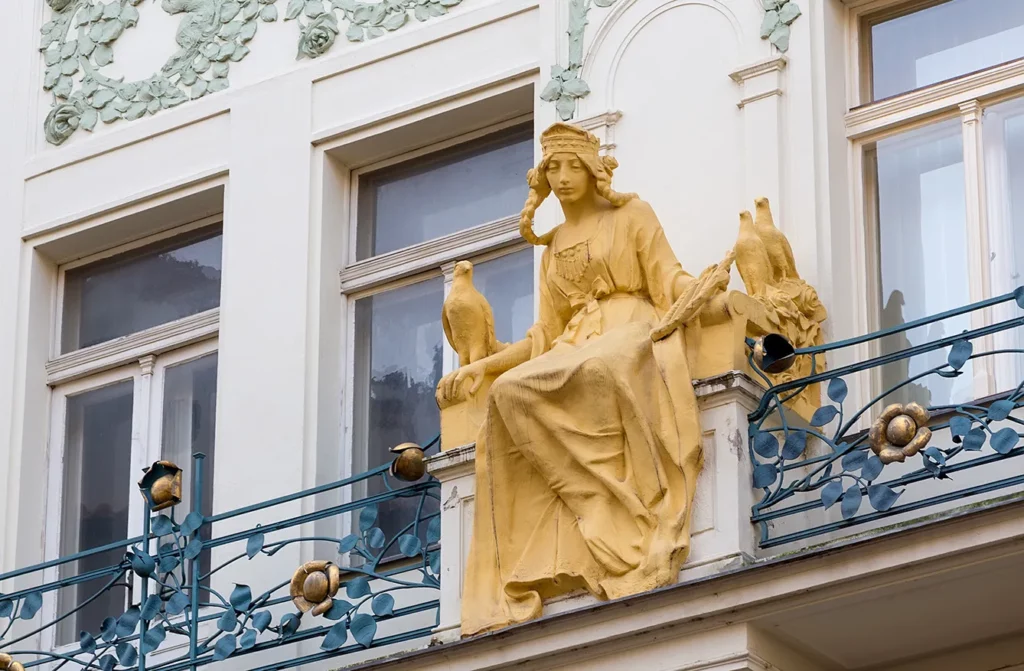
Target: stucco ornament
column 365, row 20
column 78, row 49
column 61, row 122
column 600, row 380
column 566, row 86
column 318, row 36
column 778, row 16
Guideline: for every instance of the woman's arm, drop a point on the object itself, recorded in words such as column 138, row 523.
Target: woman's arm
column 554, row 313
column 470, row 377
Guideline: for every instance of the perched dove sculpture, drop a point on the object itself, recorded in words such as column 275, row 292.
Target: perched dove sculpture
column 467, row 318
column 752, row 258
column 780, row 253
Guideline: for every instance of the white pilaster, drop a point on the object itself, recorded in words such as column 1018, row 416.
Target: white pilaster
column 455, row 469
column 760, row 100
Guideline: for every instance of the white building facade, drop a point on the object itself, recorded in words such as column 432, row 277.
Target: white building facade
column 228, row 227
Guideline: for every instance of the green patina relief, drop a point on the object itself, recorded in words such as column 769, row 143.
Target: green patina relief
column 320, row 20
column 778, row 16
column 566, row 86
column 78, row 43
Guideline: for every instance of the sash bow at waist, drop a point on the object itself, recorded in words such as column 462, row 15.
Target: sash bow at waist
column 586, row 304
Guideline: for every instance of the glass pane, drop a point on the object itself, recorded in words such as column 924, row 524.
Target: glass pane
column 398, row 366
column 443, row 193
column 1004, row 179
column 139, row 290
column 97, row 474
column 944, row 41
column 190, row 416
column 507, row 283
column 923, row 244
column 189, row 420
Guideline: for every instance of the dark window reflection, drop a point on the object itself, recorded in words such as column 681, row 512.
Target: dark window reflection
column 97, row 474
column 398, row 366
column 142, row 289
column 444, row 192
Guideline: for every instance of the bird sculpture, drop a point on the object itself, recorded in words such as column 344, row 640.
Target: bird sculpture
column 752, row 258
column 467, row 318
column 780, row 253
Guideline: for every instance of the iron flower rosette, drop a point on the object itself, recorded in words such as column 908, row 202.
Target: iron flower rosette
column 8, row 664
column 899, row 432
column 161, row 485
column 314, row 585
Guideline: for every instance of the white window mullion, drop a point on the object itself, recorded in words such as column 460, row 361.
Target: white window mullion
column 977, row 238
column 450, row 361
column 1002, row 260
column 139, row 456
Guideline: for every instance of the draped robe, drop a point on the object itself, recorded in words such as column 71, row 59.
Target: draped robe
column 589, row 454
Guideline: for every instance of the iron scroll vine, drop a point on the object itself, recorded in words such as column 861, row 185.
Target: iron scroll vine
column 850, row 467
column 177, row 602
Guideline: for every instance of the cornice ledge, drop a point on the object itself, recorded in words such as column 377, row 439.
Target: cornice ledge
column 453, row 463
column 602, row 125
column 727, row 385
column 763, row 67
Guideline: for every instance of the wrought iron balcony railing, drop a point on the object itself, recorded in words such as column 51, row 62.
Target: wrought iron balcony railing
column 179, row 621
column 876, row 455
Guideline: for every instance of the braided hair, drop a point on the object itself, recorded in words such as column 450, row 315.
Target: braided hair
column 600, row 167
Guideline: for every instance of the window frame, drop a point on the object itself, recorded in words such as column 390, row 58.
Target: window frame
column 142, row 357
column 868, row 121
column 423, row 261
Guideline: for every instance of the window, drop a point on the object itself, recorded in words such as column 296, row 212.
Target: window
column 415, row 217
column 941, row 41
column 940, row 138
column 135, row 382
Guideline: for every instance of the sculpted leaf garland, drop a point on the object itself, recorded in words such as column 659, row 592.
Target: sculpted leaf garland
column 566, row 86
column 77, row 43
column 778, row 16
column 319, row 19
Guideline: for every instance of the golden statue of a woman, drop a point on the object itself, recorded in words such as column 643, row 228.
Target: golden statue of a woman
column 588, row 457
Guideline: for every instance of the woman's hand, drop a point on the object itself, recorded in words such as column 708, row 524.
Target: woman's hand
column 462, row 383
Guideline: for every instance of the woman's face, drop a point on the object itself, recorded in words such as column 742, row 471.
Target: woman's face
column 568, row 177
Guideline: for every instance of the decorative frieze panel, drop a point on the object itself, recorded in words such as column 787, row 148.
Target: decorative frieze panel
column 78, row 44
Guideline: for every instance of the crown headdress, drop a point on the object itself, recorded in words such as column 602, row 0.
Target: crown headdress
column 563, row 137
